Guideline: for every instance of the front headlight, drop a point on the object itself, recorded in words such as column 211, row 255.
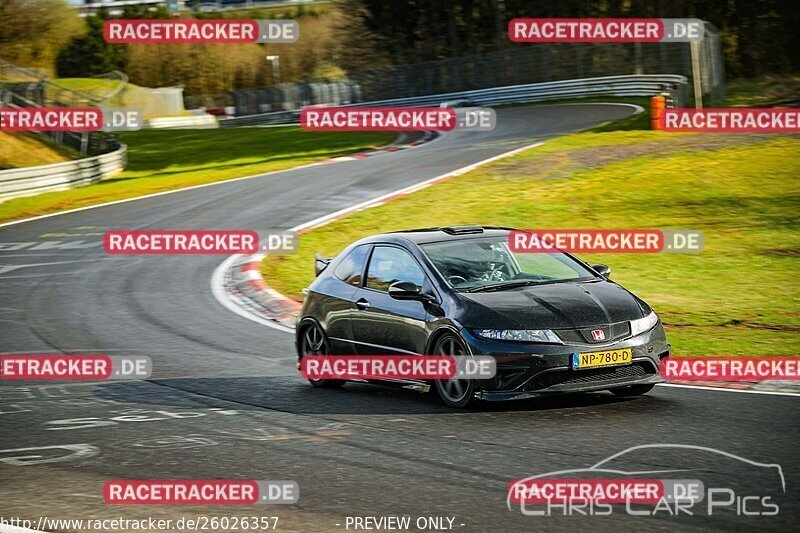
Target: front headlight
column 520, row 335
column 644, row 324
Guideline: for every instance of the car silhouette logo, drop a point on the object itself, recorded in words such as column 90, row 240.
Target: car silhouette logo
column 619, row 464
column 598, row 335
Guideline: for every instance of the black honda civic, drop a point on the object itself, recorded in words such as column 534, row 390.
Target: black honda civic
column 552, row 322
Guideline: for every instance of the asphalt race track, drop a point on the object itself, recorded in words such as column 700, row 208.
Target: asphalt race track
column 225, row 400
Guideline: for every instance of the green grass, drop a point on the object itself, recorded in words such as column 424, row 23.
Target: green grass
column 161, row 160
column 739, row 296
column 18, row 150
column 774, row 91
column 89, row 85
column 100, row 88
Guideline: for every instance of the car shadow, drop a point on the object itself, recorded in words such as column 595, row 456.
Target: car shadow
column 293, row 394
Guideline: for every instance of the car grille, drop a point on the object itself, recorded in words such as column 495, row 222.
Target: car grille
column 613, row 374
column 612, row 333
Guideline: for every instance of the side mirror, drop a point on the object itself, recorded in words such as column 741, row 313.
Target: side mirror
column 405, row 290
column 603, row 270
column 321, row 263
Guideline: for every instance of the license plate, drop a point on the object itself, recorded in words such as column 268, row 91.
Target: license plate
column 606, row 358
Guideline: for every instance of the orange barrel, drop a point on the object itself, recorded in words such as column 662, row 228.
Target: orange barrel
column 657, row 104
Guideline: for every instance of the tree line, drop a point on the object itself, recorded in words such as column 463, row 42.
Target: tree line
column 758, row 37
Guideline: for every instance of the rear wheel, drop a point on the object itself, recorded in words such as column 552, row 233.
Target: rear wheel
column 633, row 390
column 313, row 343
column 453, row 392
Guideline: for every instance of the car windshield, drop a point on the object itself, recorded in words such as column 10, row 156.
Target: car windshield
column 489, row 264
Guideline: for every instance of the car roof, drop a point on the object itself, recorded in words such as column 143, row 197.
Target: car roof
column 440, row 234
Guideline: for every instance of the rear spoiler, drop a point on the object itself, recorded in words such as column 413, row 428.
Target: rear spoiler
column 321, row 263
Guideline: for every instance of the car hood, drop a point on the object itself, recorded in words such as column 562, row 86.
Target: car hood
column 552, row 306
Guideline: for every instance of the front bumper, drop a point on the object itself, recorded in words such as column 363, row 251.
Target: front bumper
column 526, row 370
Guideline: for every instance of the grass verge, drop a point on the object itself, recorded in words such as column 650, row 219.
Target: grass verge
column 773, row 91
column 18, row 150
column 738, row 297
column 161, row 160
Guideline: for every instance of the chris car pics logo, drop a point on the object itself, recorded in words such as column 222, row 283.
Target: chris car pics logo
column 690, row 481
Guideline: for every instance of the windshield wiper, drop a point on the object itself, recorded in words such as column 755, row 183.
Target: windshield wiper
column 525, row 283
column 504, row 285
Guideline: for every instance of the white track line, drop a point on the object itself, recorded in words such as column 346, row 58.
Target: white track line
column 720, row 389
column 162, row 193
column 153, row 195
column 636, row 108
column 411, row 188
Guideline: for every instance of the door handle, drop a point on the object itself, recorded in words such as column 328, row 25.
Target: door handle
column 362, row 304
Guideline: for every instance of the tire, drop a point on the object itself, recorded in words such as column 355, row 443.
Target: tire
column 454, row 392
column 632, row 390
column 314, row 342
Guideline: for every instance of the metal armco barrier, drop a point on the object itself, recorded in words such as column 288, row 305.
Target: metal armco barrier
column 191, row 121
column 632, row 85
column 275, row 117
column 61, row 176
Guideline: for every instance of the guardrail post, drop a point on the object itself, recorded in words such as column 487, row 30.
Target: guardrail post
column 579, row 59
column 637, row 54
column 697, row 81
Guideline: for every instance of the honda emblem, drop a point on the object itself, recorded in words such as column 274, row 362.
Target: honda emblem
column 598, row 335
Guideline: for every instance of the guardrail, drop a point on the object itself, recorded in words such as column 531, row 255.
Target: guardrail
column 274, row 117
column 632, row 85
column 84, row 142
column 190, row 121
column 61, row 176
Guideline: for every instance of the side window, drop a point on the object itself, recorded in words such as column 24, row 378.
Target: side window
column 389, row 264
column 349, row 270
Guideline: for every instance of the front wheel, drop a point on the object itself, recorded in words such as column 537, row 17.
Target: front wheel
column 314, row 343
column 453, row 392
column 632, row 390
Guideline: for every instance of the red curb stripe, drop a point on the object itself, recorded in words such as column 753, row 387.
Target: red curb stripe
column 258, row 283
